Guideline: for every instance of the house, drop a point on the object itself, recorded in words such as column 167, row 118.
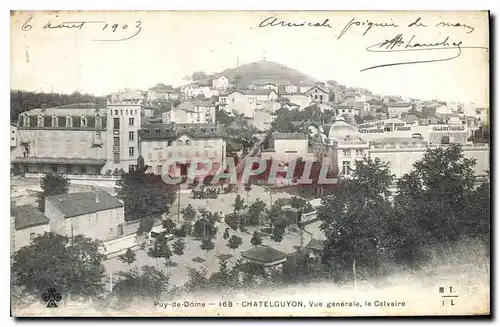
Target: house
column 190, row 112
column 127, row 94
column 96, row 214
column 245, row 101
column 315, row 247
column 270, row 86
column 286, row 146
column 160, row 143
column 147, row 111
column 29, row 222
column 318, row 94
column 396, row 109
column 162, row 92
column 265, row 256
column 345, row 109
column 192, row 90
column 391, row 98
column 291, row 88
column 300, row 99
column 220, row 83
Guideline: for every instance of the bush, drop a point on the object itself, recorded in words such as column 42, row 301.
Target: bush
column 108, row 172
column 179, row 232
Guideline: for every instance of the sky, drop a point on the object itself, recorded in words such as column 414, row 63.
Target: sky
column 170, row 45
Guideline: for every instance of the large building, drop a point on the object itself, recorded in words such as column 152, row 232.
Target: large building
column 77, row 140
column 191, row 112
column 162, row 92
column 220, row 83
column 96, row 214
column 401, row 148
column 318, row 94
column 160, row 143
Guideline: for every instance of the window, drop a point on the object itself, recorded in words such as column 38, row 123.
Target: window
column 187, row 142
column 159, row 169
column 131, row 151
column 346, row 153
column 157, row 130
column 316, row 97
column 116, row 158
column 26, row 121
column 233, row 100
column 32, row 236
column 131, row 121
column 359, row 152
column 83, row 122
column 169, row 143
column 40, row 121
column 116, row 123
column 69, row 122
column 84, row 170
column 121, row 112
column 346, row 168
column 136, row 112
column 54, row 168
column 98, row 136
column 116, row 141
column 130, row 136
column 116, row 112
column 68, row 169
column 350, row 110
column 54, row 121
column 126, row 112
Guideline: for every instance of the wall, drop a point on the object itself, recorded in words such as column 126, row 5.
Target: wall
column 53, row 143
column 22, row 237
column 241, row 104
column 102, row 225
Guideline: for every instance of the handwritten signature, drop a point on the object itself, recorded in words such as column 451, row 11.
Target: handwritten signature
column 79, row 25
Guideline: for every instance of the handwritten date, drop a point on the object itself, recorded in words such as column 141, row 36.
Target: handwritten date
column 105, row 26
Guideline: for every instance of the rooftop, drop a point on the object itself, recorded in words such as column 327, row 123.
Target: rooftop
column 397, row 104
column 289, row 136
column 28, row 216
column 315, row 244
column 77, row 204
column 173, row 131
column 264, row 254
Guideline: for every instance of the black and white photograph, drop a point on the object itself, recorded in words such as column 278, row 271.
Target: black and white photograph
column 249, row 163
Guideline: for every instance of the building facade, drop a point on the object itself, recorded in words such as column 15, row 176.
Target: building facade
column 397, row 109
column 62, row 140
column 317, row 94
column 191, row 112
column 220, row 83
column 162, row 143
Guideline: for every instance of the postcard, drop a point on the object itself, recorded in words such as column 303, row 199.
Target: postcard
column 250, row 163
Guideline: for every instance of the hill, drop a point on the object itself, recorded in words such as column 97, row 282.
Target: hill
column 264, row 71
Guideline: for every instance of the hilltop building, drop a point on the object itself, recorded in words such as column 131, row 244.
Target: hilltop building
column 191, row 112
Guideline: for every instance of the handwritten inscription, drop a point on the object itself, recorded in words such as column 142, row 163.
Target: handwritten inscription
column 398, row 43
column 108, row 32
column 275, row 21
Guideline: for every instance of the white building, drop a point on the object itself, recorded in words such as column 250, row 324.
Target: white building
column 220, row 83
column 397, row 109
column 191, row 112
column 286, row 146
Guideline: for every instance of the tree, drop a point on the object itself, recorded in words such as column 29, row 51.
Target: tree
column 149, row 283
column 255, row 211
column 51, row 184
column 434, row 203
column 189, row 214
column 226, row 234
column 160, row 249
column 301, row 204
column 204, row 227
column 144, row 194
column 74, row 266
column 199, row 75
column 224, row 278
column 238, row 204
column 353, row 217
column 207, row 244
column 179, row 247
column 145, row 225
column 128, row 257
column 256, row 239
column 232, row 220
column 234, row 242
column 169, row 225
